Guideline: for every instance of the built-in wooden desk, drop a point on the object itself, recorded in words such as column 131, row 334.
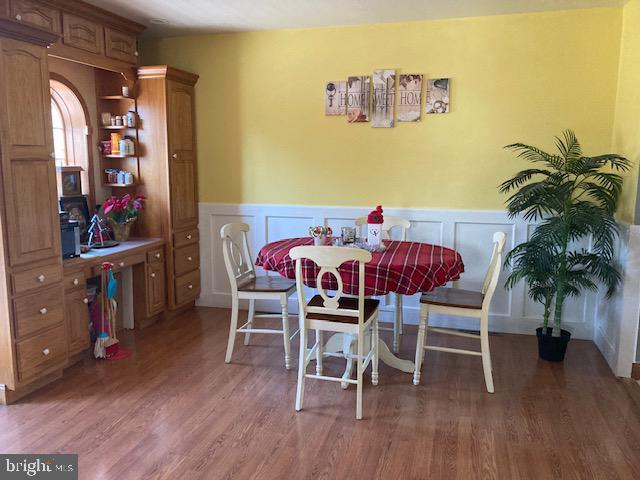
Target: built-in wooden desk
column 143, row 290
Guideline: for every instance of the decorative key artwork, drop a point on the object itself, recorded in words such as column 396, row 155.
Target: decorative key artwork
column 386, row 102
column 335, row 100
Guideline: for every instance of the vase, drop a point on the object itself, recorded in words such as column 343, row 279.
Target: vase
column 552, row 348
column 319, row 241
column 121, row 231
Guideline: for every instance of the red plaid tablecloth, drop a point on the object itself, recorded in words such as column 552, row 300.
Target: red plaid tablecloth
column 404, row 267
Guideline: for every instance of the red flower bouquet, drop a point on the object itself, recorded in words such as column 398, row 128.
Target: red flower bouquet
column 122, row 212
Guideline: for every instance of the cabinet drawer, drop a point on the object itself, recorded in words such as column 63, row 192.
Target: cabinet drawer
column 42, row 352
column 187, row 287
column 186, row 259
column 82, row 33
column 37, row 14
column 123, row 263
column 155, row 256
column 185, row 237
column 75, row 280
column 38, row 311
column 36, row 278
column 120, row 45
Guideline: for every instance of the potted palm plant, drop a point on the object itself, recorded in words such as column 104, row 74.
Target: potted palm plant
column 570, row 197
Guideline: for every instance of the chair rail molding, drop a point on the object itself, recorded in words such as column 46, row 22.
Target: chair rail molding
column 470, row 232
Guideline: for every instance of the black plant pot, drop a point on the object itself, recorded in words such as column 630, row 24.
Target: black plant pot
column 552, row 348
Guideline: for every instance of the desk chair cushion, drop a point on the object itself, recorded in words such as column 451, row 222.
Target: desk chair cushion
column 268, row 284
column 453, row 297
column 347, row 303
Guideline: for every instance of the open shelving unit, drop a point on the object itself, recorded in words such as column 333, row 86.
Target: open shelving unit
column 108, row 86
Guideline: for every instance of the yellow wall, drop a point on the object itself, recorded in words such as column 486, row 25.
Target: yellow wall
column 626, row 132
column 263, row 136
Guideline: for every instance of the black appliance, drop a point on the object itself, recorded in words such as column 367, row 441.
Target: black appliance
column 70, row 236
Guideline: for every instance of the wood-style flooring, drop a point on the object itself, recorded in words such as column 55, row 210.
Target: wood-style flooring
column 175, row 410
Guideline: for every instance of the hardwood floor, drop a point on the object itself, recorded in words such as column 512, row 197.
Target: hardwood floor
column 175, row 410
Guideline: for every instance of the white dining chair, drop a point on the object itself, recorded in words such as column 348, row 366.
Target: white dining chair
column 245, row 285
column 388, row 224
column 347, row 315
column 462, row 303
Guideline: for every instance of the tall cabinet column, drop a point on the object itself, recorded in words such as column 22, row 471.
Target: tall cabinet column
column 168, row 175
column 33, row 346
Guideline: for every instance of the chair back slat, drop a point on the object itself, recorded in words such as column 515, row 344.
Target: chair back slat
column 388, row 224
column 329, row 259
column 491, row 279
column 237, row 255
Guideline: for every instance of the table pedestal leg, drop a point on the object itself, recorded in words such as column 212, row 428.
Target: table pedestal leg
column 344, row 342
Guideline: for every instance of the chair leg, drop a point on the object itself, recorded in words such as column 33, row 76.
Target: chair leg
column 302, row 366
column 250, row 315
column 232, row 328
column 360, row 374
column 374, row 345
column 420, row 342
column 486, row 353
column 285, row 331
column 399, row 303
column 319, row 351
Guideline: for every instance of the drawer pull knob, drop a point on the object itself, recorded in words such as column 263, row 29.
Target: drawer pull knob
column 18, row 17
column 158, row 255
column 190, row 258
column 175, row 155
column 76, row 281
column 189, row 237
column 121, row 264
column 46, row 352
column 43, row 311
column 153, row 275
column 85, row 300
column 41, row 278
column 190, row 287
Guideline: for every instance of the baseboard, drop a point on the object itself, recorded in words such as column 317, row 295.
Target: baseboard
column 7, row 397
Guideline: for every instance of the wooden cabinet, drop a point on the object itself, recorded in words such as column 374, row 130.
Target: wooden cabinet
column 156, row 291
column 76, row 316
column 120, row 45
column 32, row 334
column 184, row 201
column 37, row 14
column 30, row 195
column 82, row 33
column 169, row 175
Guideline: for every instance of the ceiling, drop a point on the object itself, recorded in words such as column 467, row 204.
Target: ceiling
column 204, row 16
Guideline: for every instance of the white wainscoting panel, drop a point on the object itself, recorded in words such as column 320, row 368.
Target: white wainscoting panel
column 616, row 323
column 469, row 232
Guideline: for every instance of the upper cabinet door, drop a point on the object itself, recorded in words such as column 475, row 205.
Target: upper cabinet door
column 182, row 164
column 81, row 33
column 26, row 100
column 120, row 45
column 180, row 114
column 29, row 180
column 37, row 14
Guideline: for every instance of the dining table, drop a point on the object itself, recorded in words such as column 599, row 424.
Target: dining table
column 399, row 267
